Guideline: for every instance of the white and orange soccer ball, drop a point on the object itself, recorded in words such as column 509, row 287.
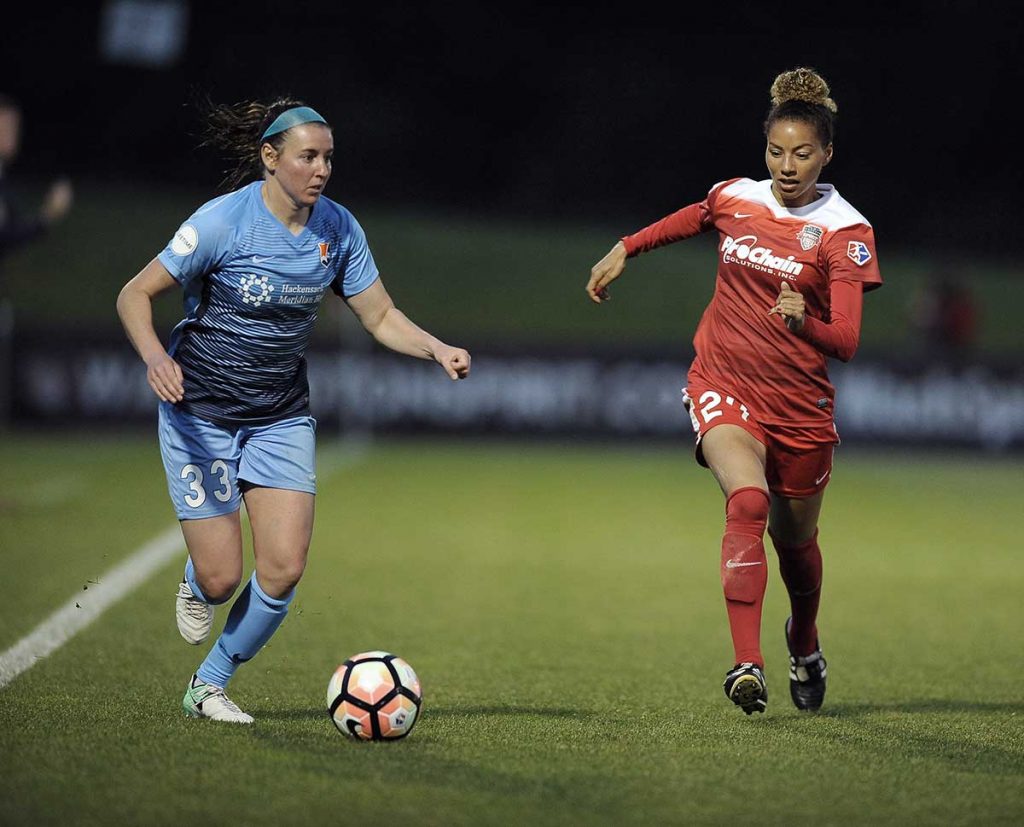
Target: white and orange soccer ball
column 374, row 696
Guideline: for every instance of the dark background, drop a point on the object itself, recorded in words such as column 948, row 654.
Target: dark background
column 615, row 113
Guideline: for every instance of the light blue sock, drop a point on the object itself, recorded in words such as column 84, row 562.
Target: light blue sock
column 254, row 617
column 190, row 578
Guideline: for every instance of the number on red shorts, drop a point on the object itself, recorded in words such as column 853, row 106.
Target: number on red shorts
column 708, row 411
column 710, row 400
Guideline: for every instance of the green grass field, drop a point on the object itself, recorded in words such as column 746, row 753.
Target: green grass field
column 562, row 607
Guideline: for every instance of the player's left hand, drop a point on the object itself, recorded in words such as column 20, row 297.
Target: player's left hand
column 790, row 305
column 454, row 360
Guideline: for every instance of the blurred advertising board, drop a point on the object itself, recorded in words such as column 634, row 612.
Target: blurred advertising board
column 610, row 394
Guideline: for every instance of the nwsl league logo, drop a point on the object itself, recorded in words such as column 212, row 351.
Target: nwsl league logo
column 325, row 246
column 858, row 253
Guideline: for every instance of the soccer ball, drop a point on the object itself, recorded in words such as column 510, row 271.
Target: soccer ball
column 374, row 696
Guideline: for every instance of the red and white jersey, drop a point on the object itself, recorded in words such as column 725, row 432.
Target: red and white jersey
column 740, row 348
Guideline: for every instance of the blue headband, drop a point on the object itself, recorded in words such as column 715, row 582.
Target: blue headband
column 292, row 117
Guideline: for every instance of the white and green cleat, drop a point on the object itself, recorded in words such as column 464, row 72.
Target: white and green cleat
column 204, row 700
column 195, row 618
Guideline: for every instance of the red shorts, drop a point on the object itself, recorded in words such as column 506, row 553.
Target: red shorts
column 798, row 461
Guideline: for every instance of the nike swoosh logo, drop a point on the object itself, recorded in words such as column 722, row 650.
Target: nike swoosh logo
column 732, row 564
column 822, row 477
column 742, row 214
column 258, row 260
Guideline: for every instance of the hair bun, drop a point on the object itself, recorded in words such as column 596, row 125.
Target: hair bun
column 802, row 84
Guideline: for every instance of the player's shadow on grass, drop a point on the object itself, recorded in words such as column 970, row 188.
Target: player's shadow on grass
column 293, row 714
column 308, row 714
column 890, row 728
column 850, row 710
column 512, row 709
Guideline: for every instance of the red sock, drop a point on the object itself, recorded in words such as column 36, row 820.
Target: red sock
column 801, row 572
column 745, row 570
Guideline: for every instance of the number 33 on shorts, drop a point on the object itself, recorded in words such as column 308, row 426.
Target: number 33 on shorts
column 193, row 476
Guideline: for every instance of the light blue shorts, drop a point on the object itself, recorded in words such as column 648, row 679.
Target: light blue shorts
column 206, row 462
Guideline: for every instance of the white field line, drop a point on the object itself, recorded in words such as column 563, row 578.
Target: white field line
column 86, row 606
column 120, row 581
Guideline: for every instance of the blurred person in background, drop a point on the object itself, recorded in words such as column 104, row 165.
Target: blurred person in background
column 18, row 226
column 795, row 259
column 234, row 416
column 945, row 314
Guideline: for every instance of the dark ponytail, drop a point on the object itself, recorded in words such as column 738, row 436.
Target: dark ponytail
column 235, row 129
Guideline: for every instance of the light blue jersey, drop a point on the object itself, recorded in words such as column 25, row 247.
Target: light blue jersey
column 252, row 292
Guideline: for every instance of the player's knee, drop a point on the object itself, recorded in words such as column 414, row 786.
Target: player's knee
column 746, row 510
column 220, row 587
column 795, row 546
column 291, row 574
column 284, row 575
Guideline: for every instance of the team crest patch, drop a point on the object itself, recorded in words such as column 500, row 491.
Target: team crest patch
column 809, row 236
column 858, row 253
column 325, row 246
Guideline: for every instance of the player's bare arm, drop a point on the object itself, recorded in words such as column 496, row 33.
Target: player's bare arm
column 393, row 329
column 605, row 272
column 135, row 307
column 789, row 304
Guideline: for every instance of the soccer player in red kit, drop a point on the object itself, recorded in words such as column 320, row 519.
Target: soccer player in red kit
column 795, row 259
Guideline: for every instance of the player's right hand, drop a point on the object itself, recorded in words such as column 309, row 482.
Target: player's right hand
column 605, row 272
column 165, row 378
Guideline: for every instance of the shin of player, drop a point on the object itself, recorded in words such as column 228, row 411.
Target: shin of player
column 800, row 566
column 745, row 570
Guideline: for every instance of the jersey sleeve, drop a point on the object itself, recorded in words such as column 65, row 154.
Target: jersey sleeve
column 198, row 246
column 840, row 336
column 358, row 269
column 684, row 223
column 850, row 256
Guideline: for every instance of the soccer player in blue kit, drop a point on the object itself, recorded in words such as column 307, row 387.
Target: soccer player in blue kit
column 234, row 418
